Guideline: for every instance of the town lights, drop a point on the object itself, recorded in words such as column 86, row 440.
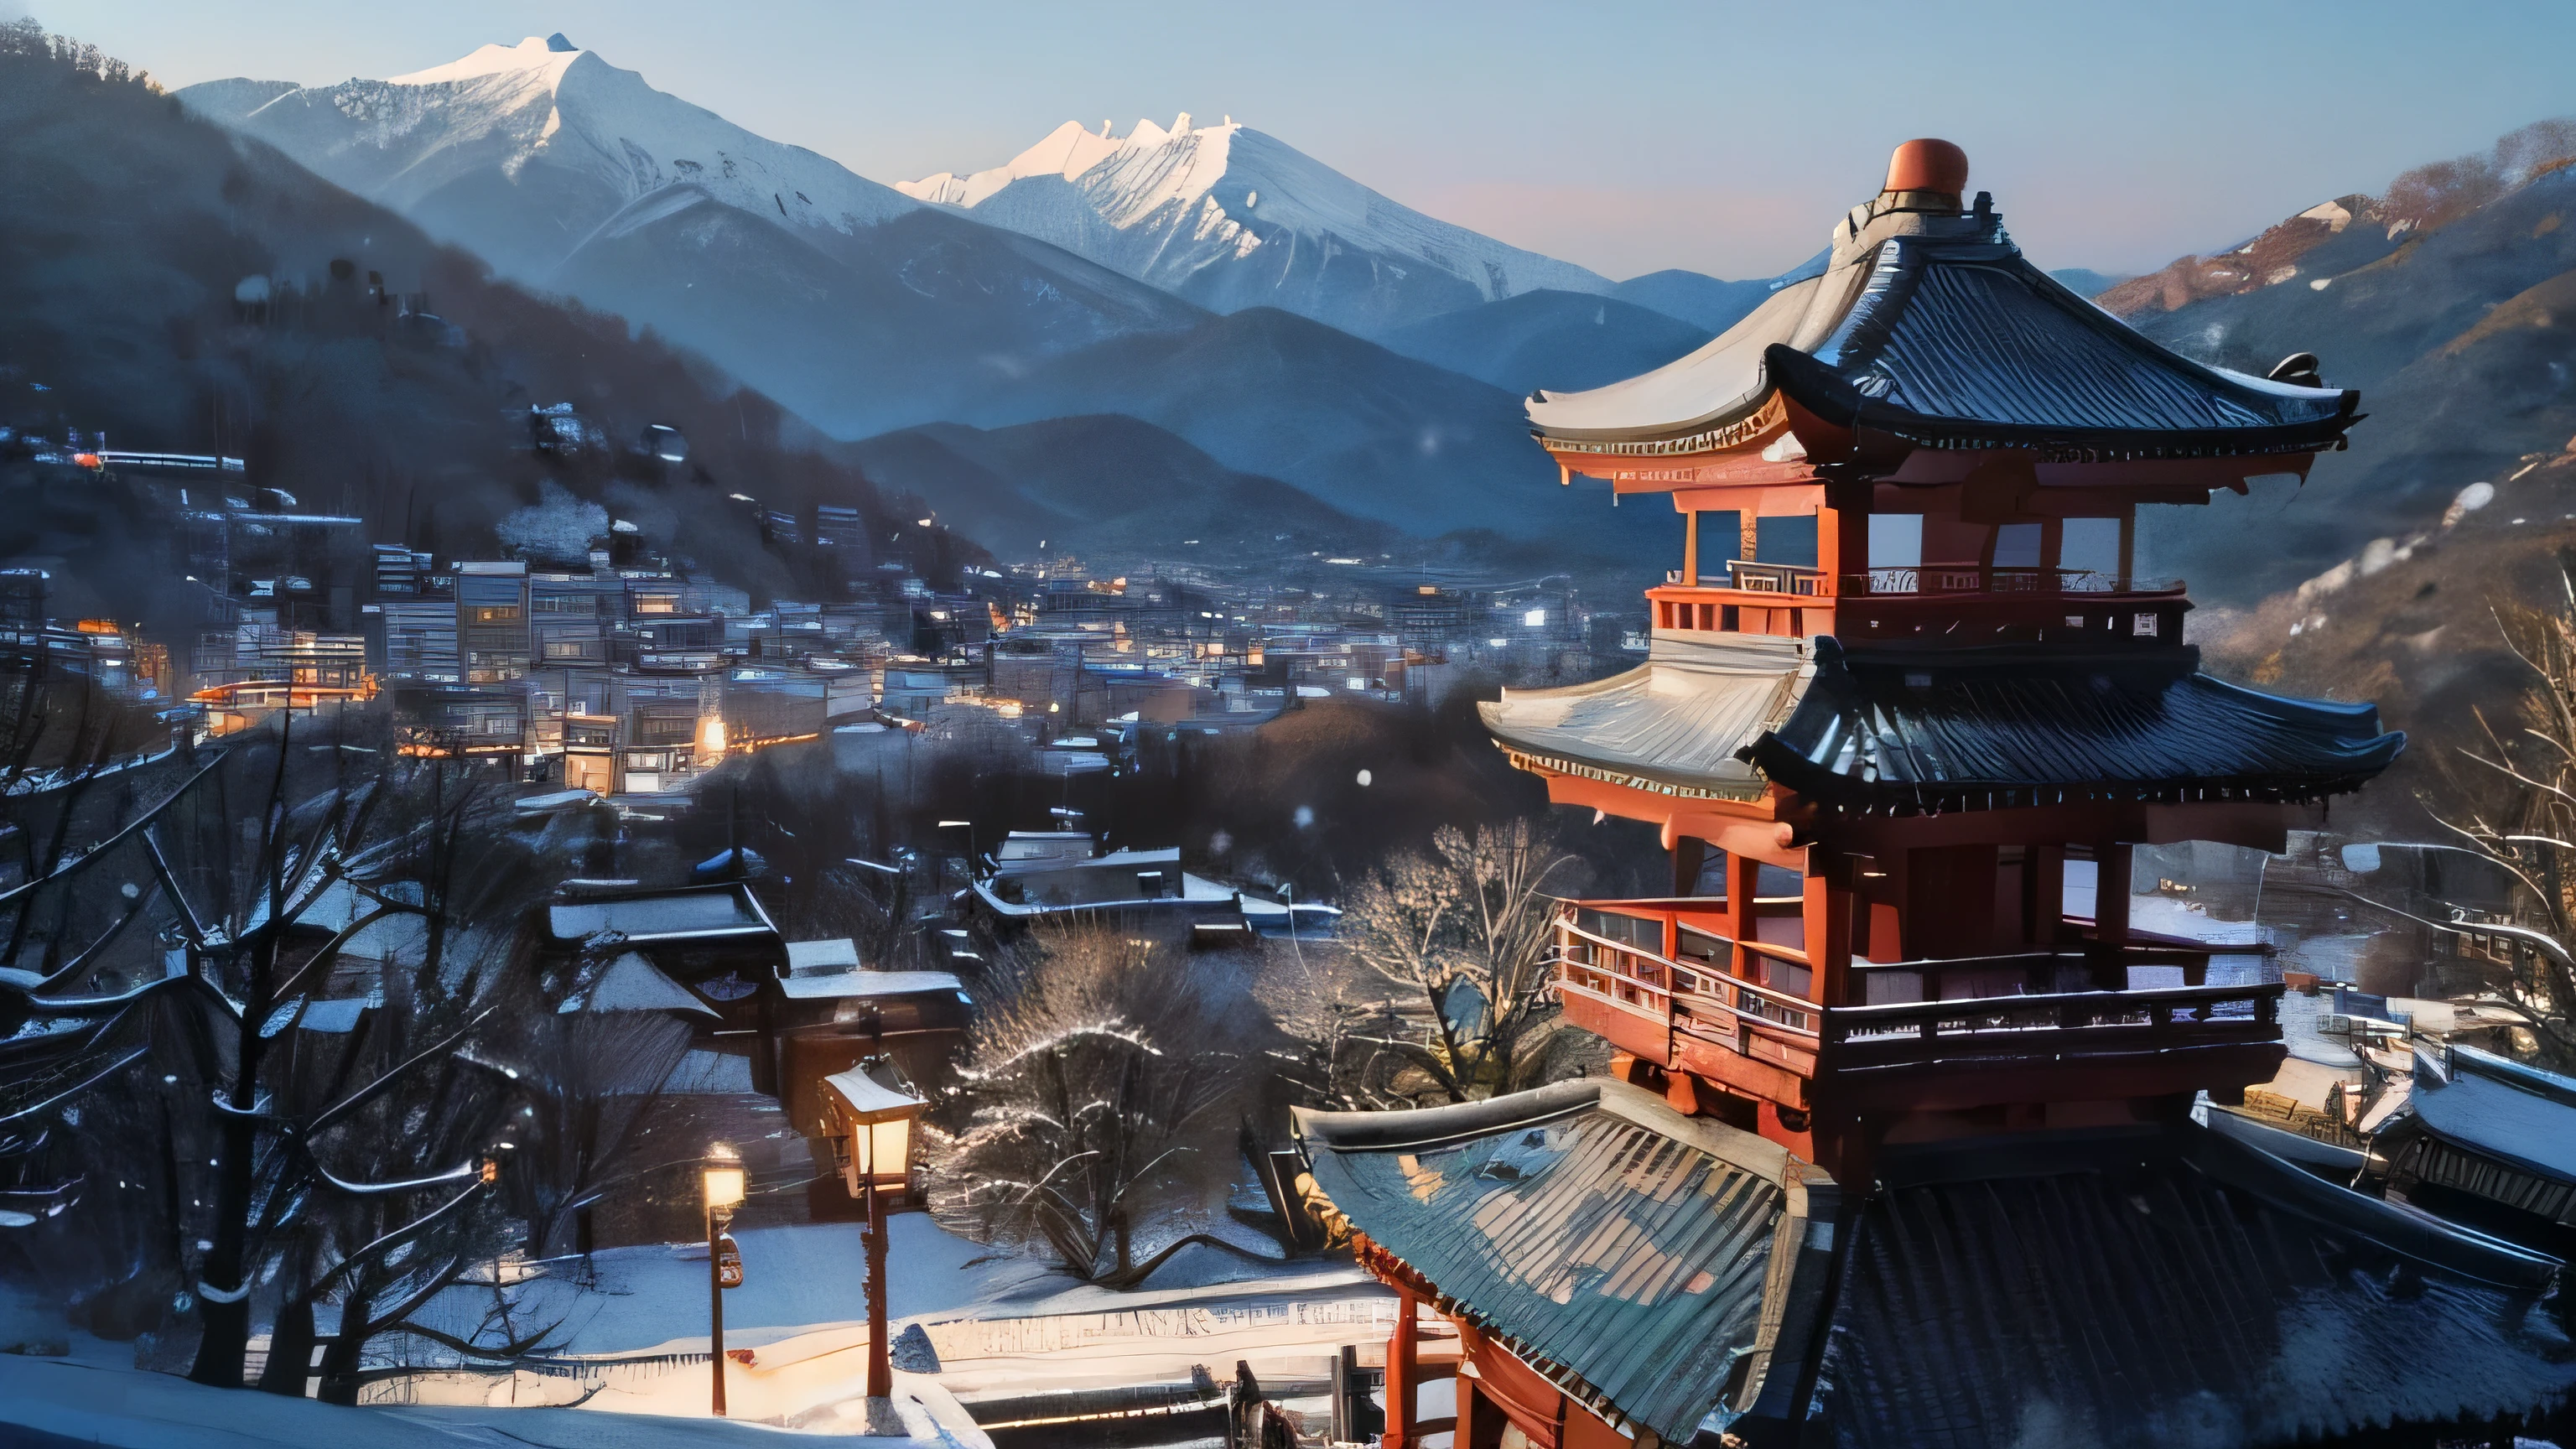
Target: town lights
column 723, row 1177
column 868, row 1111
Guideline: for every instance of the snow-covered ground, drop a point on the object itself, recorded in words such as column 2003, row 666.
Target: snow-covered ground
column 76, row 1401
column 796, row 1331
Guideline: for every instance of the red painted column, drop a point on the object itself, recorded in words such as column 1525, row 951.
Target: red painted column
column 1402, row 1349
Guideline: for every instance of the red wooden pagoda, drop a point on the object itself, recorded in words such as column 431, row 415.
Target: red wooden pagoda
column 1902, row 1143
column 1917, row 677
column 1901, row 1153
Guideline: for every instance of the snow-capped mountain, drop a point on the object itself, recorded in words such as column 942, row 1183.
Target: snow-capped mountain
column 1230, row 217
column 541, row 126
column 856, row 306
column 864, row 311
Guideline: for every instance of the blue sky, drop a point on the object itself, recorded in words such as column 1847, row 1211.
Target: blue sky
column 1724, row 137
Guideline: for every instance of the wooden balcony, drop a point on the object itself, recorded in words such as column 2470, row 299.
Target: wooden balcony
column 1956, row 603
column 2078, row 1045
column 1950, row 580
column 1750, row 598
column 1698, row 1014
column 1956, row 1032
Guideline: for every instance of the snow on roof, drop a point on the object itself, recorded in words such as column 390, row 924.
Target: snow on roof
column 868, row 1099
column 704, row 1073
column 1723, row 376
column 2501, row 1108
column 632, row 983
column 336, row 1017
column 1024, row 845
column 869, row 985
column 674, row 915
column 809, row 958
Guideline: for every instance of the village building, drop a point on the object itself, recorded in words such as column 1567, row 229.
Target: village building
column 2487, row 1141
column 1907, row 712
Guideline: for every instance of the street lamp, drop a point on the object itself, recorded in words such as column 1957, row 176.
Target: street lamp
column 868, row 1111
column 724, row 1192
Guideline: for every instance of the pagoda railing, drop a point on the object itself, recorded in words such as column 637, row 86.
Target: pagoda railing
column 1639, row 999
column 1931, row 580
column 1612, row 981
column 2053, row 1025
column 1755, row 578
column 1935, row 579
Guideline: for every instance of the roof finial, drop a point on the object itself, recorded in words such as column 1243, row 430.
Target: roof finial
column 1928, row 165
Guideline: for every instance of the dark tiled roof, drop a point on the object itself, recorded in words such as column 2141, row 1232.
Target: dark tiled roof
column 1962, row 343
column 2500, row 1108
column 1608, row 1241
column 1935, row 330
column 1921, row 732
column 2168, row 1288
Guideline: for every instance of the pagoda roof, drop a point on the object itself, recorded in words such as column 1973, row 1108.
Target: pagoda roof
column 1633, row 1257
column 2160, row 1285
column 1932, row 330
column 2499, row 1108
column 1948, row 730
column 1619, row 1248
column 1676, row 724
column 1926, row 730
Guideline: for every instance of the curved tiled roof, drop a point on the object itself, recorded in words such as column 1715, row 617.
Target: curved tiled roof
column 1929, row 731
column 1610, row 1242
column 1935, row 330
column 1679, row 721
column 2150, row 1288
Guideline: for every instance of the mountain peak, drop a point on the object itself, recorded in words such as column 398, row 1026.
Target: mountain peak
column 534, row 53
column 1180, row 207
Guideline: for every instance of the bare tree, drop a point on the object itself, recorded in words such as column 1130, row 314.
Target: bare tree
column 1098, row 1104
column 1461, row 935
column 344, row 1166
column 2526, row 825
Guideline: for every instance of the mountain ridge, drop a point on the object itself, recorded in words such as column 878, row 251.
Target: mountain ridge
column 570, row 175
column 1231, row 217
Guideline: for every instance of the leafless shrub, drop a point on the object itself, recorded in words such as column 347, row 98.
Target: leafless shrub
column 1460, row 935
column 1098, row 1105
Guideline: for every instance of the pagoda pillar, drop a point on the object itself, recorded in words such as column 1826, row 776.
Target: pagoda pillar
column 1403, row 1371
column 1842, row 534
column 1742, row 871
column 2110, row 913
column 1689, row 854
column 1826, row 912
column 1690, row 547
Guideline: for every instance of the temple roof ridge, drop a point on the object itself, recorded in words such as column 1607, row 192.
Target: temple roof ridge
column 1929, row 328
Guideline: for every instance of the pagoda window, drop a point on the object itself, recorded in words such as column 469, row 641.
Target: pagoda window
column 1699, row 947
column 1711, row 541
column 1895, row 540
column 2092, row 546
column 1788, row 928
column 1786, row 976
column 1786, row 540
column 2018, row 546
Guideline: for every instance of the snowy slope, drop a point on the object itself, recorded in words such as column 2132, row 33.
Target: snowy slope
column 1230, row 217
column 547, row 119
column 858, row 308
